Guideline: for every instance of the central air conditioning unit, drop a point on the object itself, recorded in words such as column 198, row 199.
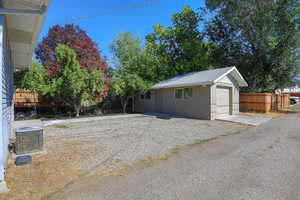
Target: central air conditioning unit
column 29, row 140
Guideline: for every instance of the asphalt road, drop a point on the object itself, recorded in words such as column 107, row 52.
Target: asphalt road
column 261, row 163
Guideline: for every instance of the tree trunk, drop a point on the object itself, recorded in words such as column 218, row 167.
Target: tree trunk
column 54, row 109
column 124, row 104
column 77, row 110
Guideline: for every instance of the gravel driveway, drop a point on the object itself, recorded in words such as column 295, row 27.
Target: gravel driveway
column 131, row 139
column 103, row 147
column 261, row 163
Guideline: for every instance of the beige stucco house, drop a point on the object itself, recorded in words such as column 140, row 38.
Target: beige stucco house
column 204, row 95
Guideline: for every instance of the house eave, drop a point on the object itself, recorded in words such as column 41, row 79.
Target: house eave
column 21, row 12
column 24, row 22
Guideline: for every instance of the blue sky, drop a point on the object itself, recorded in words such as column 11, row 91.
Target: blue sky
column 103, row 29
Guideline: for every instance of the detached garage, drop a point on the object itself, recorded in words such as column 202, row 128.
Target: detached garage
column 205, row 95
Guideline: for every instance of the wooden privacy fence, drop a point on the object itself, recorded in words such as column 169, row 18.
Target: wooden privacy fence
column 280, row 102
column 28, row 99
column 264, row 102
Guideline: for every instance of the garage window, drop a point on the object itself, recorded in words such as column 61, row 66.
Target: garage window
column 188, row 93
column 185, row 93
column 178, row 93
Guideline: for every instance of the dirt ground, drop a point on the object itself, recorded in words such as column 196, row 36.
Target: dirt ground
column 102, row 148
column 48, row 172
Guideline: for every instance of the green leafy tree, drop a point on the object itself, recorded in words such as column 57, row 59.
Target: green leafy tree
column 260, row 37
column 132, row 70
column 35, row 79
column 131, row 57
column 18, row 77
column 126, row 85
column 180, row 48
column 70, row 81
column 71, row 84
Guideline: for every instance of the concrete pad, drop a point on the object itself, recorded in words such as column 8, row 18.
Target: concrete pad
column 42, row 152
column 89, row 119
column 38, row 122
column 248, row 120
column 27, row 123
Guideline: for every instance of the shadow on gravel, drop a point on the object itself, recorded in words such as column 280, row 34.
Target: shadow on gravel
column 167, row 116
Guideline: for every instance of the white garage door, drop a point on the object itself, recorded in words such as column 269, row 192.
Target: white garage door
column 223, row 101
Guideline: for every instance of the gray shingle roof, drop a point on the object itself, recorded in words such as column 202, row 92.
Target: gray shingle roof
column 207, row 77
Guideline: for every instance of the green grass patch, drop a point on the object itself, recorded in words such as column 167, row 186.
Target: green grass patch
column 176, row 149
column 63, row 126
column 203, row 141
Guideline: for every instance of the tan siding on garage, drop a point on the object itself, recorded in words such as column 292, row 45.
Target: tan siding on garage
column 202, row 105
column 198, row 106
column 236, row 100
column 145, row 105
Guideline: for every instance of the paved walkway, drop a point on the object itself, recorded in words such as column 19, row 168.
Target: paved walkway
column 248, row 120
column 261, row 163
